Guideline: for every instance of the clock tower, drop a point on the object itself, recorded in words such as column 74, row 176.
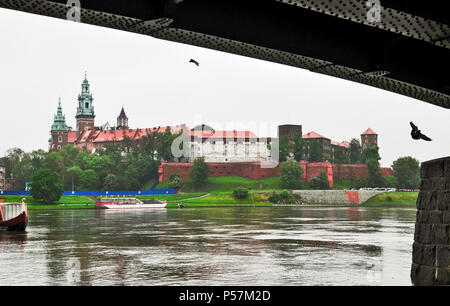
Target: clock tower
column 85, row 111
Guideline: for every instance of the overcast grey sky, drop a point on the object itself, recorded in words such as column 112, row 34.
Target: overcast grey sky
column 42, row 59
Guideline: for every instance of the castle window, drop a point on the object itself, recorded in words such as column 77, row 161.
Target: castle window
column 59, row 147
column 60, row 139
column 87, row 104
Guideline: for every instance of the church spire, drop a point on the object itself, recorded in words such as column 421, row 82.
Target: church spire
column 85, row 100
column 59, row 121
column 122, row 120
column 85, row 111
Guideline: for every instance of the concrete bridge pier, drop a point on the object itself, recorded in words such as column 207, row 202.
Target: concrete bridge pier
column 431, row 248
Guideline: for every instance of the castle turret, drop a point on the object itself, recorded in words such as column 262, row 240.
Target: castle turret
column 122, row 120
column 369, row 138
column 59, row 132
column 85, row 111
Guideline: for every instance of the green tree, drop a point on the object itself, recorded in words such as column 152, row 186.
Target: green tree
column 375, row 178
column 283, row 148
column 89, row 180
column 297, row 147
column 370, row 152
column 13, row 156
column 391, row 181
column 291, row 175
column 164, row 148
column 315, row 151
column 22, row 172
column 55, row 162
column 199, row 172
column 340, row 157
column 112, row 182
column 46, row 186
column 73, row 178
column 355, row 151
column 407, row 171
column 37, row 159
column 69, row 155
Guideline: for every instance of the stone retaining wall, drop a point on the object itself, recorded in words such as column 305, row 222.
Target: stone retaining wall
column 336, row 196
column 431, row 255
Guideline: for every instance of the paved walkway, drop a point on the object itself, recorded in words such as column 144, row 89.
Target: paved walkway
column 203, row 196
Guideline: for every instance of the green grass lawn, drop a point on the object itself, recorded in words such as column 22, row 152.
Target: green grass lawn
column 393, row 199
column 228, row 183
column 221, row 198
column 341, row 184
column 61, row 206
column 64, row 200
column 172, row 197
column 147, row 185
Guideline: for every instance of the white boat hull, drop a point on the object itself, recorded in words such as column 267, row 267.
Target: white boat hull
column 133, row 206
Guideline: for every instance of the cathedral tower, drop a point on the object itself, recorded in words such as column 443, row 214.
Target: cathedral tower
column 59, row 132
column 85, row 111
column 122, row 120
column 369, row 138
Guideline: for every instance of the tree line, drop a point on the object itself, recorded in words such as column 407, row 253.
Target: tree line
column 125, row 165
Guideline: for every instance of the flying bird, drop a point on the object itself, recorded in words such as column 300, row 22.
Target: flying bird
column 194, row 62
column 416, row 134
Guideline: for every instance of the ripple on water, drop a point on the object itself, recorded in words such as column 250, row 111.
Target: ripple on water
column 232, row 246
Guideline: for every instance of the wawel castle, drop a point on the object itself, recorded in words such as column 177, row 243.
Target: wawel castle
column 215, row 146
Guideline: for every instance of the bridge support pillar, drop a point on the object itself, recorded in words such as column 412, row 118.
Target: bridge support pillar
column 431, row 248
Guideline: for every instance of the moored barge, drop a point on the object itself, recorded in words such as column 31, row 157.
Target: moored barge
column 14, row 216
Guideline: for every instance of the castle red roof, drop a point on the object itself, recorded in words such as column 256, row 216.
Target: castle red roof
column 369, row 131
column 72, row 136
column 344, row 144
column 313, row 135
column 97, row 136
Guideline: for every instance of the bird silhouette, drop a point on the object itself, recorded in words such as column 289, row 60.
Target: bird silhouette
column 194, row 62
column 416, row 133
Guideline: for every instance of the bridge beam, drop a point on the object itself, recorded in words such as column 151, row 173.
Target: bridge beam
column 431, row 248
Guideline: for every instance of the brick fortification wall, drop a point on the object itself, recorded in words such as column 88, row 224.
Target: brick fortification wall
column 431, row 256
column 248, row 170
column 255, row 172
column 349, row 171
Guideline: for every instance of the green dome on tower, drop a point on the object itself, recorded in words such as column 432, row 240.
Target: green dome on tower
column 85, row 100
column 59, row 121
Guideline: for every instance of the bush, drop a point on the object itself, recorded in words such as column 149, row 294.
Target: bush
column 291, row 175
column 175, row 181
column 174, row 176
column 285, row 197
column 274, row 198
column 320, row 182
column 240, row 193
column 389, row 198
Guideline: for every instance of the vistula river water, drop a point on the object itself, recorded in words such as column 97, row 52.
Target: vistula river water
column 212, row 246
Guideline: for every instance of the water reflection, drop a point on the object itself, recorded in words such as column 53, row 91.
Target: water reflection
column 217, row 246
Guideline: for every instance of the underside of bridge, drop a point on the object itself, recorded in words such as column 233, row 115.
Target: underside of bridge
column 396, row 45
